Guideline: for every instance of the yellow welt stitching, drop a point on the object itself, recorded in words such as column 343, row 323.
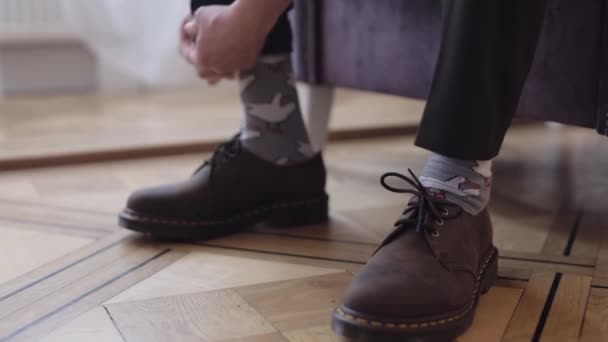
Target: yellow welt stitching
column 422, row 324
column 227, row 220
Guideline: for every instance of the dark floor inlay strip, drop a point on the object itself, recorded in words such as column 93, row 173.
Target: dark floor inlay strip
column 540, row 261
column 547, row 308
column 282, row 253
column 82, row 296
column 52, row 274
column 61, row 208
column 122, row 336
column 56, row 224
column 314, row 238
column 574, row 232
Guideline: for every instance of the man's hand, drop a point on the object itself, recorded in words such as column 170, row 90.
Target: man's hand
column 186, row 41
column 187, row 46
column 219, row 41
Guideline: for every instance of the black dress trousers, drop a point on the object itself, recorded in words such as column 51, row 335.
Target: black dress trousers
column 279, row 40
column 486, row 52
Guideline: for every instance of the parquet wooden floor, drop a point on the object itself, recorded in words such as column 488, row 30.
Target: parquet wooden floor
column 53, row 130
column 68, row 273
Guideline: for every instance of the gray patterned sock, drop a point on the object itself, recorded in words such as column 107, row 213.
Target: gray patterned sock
column 464, row 182
column 273, row 128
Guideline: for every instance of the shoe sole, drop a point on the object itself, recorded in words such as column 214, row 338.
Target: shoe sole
column 358, row 329
column 280, row 214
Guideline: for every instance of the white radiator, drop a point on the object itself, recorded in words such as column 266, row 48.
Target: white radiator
column 32, row 21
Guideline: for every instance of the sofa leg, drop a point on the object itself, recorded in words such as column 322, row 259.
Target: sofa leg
column 316, row 102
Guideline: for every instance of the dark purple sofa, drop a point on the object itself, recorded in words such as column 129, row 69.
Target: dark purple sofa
column 391, row 46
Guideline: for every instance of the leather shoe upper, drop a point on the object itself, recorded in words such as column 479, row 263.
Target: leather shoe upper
column 427, row 268
column 233, row 180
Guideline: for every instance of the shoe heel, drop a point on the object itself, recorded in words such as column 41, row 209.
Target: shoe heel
column 490, row 275
column 315, row 212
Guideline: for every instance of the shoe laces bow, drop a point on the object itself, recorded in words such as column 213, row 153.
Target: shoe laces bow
column 425, row 205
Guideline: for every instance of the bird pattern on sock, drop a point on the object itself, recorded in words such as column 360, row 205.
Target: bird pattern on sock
column 273, row 128
column 464, row 182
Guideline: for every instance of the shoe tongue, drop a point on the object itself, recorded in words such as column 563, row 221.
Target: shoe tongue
column 416, row 243
column 413, row 214
column 413, row 202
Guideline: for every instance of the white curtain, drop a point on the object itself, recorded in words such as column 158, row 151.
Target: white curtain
column 136, row 37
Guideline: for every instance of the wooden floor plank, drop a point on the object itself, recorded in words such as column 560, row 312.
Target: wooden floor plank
column 92, row 326
column 568, row 309
column 297, row 246
column 297, row 304
column 591, row 232
column 493, row 315
column 532, row 183
column 36, row 215
column 523, row 324
column 200, row 271
column 320, row 333
column 275, row 337
column 53, row 276
column 340, row 228
column 61, row 220
column 71, row 275
column 67, row 230
column 56, row 130
column 600, row 277
column 582, row 261
column 560, row 229
column 45, row 315
column 360, row 253
column 352, row 267
column 523, row 269
column 206, row 316
column 595, row 327
column 23, row 250
column 519, row 228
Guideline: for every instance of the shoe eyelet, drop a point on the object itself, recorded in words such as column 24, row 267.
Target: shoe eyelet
column 439, row 222
column 445, row 212
column 435, row 233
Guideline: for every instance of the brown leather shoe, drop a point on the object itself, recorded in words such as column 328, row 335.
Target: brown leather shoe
column 233, row 190
column 424, row 282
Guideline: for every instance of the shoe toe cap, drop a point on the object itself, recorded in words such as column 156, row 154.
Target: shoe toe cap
column 156, row 201
column 403, row 297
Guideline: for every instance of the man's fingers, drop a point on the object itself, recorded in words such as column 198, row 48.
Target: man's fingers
column 208, row 73
column 186, row 41
column 190, row 28
column 213, row 80
column 192, row 56
column 185, row 48
column 188, row 50
column 213, row 76
column 182, row 32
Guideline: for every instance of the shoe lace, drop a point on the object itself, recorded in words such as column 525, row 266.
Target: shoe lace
column 417, row 211
column 223, row 153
